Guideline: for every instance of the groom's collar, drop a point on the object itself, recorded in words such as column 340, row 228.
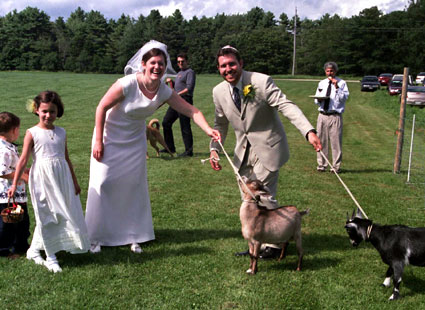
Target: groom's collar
column 239, row 85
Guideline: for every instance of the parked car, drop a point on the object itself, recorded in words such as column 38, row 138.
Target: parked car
column 416, row 96
column 399, row 77
column 420, row 78
column 394, row 88
column 385, row 78
column 370, row 82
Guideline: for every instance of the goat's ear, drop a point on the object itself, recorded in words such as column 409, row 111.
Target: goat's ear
column 359, row 214
column 348, row 217
column 354, row 214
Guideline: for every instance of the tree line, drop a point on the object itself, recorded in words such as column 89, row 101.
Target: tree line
column 368, row 43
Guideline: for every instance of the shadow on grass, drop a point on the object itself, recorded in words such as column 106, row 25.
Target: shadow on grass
column 162, row 247
column 174, row 236
column 123, row 255
column 169, row 243
column 345, row 171
column 316, row 243
column 309, row 263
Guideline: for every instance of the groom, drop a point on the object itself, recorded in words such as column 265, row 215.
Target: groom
column 250, row 102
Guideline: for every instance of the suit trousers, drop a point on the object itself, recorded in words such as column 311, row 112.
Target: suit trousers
column 329, row 129
column 252, row 168
column 167, row 123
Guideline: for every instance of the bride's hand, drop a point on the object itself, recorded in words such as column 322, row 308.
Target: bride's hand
column 98, row 151
column 214, row 134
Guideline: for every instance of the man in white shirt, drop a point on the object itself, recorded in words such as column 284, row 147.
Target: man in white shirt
column 329, row 122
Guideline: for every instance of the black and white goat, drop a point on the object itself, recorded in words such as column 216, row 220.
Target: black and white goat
column 398, row 246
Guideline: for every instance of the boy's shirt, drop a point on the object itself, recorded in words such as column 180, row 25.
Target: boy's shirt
column 9, row 158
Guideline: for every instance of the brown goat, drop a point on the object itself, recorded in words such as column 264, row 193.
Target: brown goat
column 261, row 225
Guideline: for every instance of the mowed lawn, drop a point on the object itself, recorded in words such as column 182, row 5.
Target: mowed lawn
column 191, row 264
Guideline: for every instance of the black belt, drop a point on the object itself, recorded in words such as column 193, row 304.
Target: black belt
column 328, row 113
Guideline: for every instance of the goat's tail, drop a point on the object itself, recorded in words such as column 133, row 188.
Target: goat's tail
column 155, row 122
column 305, row 212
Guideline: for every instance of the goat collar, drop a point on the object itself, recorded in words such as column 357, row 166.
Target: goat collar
column 249, row 200
column 369, row 230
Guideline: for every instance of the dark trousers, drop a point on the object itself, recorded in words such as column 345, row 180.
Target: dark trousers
column 167, row 123
column 14, row 236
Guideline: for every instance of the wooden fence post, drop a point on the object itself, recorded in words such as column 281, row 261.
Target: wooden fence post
column 400, row 131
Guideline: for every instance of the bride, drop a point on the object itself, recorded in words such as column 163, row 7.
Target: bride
column 118, row 210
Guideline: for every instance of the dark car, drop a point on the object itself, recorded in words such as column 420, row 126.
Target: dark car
column 394, row 88
column 370, row 82
column 385, row 78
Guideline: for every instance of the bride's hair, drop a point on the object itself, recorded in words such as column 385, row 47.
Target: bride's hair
column 153, row 52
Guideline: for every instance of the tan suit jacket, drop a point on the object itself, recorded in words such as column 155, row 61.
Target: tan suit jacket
column 258, row 122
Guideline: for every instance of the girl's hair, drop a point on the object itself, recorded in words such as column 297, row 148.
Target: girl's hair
column 8, row 121
column 49, row 96
column 153, row 52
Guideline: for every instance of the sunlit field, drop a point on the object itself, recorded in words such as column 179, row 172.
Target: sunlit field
column 191, row 264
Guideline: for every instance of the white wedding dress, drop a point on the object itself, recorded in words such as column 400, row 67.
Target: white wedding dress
column 118, row 210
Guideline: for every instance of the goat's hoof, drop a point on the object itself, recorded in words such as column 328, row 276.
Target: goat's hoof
column 394, row 297
column 250, row 271
column 387, row 282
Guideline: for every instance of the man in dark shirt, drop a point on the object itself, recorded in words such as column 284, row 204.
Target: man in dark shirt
column 184, row 86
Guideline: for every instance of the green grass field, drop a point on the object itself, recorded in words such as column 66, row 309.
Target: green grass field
column 191, row 264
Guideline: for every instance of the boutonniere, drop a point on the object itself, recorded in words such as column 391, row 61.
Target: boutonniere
column 249, row 91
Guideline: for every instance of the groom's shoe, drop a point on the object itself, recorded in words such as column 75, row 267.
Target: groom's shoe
column 186, row 154
column 270, row 252
column 244, row 253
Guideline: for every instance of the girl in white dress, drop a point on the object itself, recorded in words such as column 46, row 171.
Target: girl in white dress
column 54, row 189
column 118, row 210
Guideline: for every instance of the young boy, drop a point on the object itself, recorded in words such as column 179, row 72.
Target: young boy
column 13, row 236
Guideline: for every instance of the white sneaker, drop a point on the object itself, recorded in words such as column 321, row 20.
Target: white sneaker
column 135, row 248
column 95, row 248
column 35, row 256
column 52, row 264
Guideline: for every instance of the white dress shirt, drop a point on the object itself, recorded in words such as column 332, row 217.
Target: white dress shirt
column 338, row 96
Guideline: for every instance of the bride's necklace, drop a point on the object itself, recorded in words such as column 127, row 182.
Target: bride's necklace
column 149, row 91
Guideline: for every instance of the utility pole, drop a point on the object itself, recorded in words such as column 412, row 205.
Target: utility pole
column 295, row 42
column 400, row 131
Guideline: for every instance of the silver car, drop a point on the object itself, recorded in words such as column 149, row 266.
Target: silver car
column 420, row 78
column 416, row 96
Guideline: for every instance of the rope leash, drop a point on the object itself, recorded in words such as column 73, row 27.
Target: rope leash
column 239, row 178
column 345, row 186
column 235, row 170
